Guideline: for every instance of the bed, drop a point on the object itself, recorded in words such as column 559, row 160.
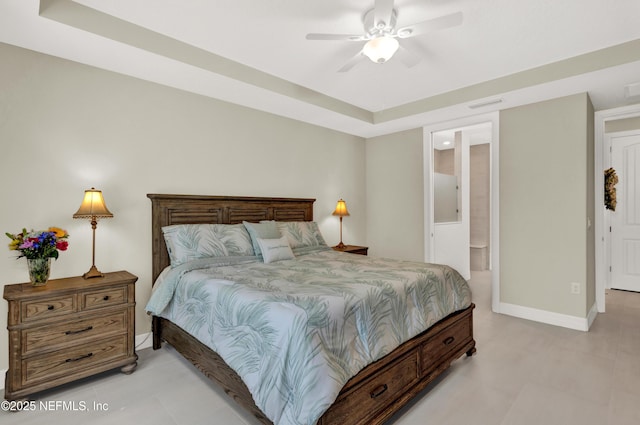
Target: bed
column 377, row 391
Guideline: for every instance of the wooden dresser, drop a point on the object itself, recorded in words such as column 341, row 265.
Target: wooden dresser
column 69, row 329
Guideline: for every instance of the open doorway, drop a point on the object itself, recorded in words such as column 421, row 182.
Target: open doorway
column 611, row 127
column 461, row 197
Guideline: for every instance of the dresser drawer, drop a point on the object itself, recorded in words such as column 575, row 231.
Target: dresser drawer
column 445, row 341
column 51, row 337
column 71, row 360
column 49, row 307
column 103, row 298
column 376, row 393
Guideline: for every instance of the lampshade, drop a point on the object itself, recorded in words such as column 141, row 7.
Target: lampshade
column 380, row 49
column 93, row 206
column 341, row 209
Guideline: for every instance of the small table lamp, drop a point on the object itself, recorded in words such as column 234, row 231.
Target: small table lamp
column 341, row 211
column 93, row 207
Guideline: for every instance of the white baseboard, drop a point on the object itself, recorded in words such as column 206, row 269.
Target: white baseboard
column 142, row 341
column 548, row 317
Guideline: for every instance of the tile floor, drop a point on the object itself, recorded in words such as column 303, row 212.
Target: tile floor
column 524, row 373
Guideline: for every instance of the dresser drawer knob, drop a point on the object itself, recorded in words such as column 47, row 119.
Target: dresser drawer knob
column 50, row 307
column 379, row 391
column 88, row 328
column 448, row 341
column 105, row 298
column 86, row 356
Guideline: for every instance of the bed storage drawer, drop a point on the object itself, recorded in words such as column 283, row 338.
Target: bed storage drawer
column 370, row 396
column 449, row 339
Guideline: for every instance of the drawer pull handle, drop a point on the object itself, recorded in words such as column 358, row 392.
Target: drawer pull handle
column 105, row 298
column 86, row 356
column 379, row 391
column 88, row 328
column 448, row 340
column 50, row 307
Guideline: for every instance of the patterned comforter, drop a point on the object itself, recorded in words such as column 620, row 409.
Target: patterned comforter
column 297, row 330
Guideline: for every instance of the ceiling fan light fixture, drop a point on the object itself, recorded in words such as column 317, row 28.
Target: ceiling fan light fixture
column 405, row 32
column 380, row 49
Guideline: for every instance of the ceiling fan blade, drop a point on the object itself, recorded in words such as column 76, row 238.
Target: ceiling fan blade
column 407, row 57
column 383, row 10
column 353, row 62
column 442, row 22
column 342, row 37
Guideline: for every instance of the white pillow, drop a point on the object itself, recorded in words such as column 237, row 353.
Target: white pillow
column 275, row 249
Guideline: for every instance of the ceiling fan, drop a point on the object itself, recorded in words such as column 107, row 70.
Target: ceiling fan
column 381, row 35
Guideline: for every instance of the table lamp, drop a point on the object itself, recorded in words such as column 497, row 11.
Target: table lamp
column 93, row 208
column 341, row 211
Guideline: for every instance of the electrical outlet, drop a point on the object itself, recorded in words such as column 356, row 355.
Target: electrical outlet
column 575, row 288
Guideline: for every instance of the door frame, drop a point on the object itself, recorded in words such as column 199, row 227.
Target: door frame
column 494, row 258
column 609, row 145
column 602, row 159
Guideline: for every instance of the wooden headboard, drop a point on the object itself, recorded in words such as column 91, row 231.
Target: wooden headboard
column 193, row 209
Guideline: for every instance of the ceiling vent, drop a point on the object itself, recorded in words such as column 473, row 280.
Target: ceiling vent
column 632, row 90
column 485, row 103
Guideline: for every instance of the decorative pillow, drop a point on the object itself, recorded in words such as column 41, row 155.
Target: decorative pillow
column 301, row 233
column 275, row 249
column 187, row 242
column 264, row 230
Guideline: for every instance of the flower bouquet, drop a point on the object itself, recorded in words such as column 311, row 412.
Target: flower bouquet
column 39, row 247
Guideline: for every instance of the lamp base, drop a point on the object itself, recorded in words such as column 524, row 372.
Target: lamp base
column 93, row 272
column 341, row 245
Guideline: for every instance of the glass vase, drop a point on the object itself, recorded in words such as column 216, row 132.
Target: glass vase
column 39, row 269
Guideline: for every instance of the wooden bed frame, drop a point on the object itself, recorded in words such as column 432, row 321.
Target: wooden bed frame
column 373, row 395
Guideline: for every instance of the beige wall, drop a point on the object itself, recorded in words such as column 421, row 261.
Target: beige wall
column 65, row 127
column 444, row 161
column 624, row 124
column 546, row 162
column 395, row 195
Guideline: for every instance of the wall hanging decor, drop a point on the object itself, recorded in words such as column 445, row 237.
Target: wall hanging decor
column 610, row 181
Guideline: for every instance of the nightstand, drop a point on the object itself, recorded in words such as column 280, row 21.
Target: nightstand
column 353, row 249
column 69, row 329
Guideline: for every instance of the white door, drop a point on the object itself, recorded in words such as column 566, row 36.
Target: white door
column 625, row 220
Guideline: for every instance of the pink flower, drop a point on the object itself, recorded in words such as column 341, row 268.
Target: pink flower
column 26, row 244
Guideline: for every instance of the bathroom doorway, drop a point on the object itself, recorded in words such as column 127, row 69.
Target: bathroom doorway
column 461, row 197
